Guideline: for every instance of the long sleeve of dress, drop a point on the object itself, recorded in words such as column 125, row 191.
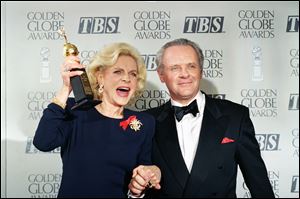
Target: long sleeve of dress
column 53, row 128
column 145, row 154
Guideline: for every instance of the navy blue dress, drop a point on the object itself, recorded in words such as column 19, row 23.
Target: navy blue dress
column 98, row 155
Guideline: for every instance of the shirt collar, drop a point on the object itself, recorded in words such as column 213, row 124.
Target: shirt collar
column 199, row 97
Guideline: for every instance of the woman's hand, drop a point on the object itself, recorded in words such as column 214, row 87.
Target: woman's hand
column 144, row 177
column 155, row 179
column 70, row 62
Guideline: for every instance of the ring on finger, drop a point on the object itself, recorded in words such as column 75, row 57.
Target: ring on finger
column 149, row 185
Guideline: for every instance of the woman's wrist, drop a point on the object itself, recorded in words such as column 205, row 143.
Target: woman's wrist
column 61, row 97
column 56, row 101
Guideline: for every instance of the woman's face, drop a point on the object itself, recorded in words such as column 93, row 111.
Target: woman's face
column 120, row 81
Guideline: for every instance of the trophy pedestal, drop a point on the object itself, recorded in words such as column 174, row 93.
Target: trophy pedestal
column 85, row 104
column 82, row 91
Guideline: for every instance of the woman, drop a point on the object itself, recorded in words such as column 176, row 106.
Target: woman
column 101, row 147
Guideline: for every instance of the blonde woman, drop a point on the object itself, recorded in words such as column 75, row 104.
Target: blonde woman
column 103, row 147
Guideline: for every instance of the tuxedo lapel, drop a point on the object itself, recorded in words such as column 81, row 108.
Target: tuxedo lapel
column 167, row 140
column 211, row 134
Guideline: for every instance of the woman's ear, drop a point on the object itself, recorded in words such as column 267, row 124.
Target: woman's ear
column 100, row 82
column 99, row 77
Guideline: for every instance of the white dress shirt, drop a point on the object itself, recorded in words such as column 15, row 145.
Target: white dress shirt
column 188, row 130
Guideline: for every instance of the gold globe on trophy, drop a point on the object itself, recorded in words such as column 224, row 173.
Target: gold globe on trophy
column 82, row 90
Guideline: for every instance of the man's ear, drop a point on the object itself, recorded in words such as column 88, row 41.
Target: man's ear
column 201, row 73
column 160, row 73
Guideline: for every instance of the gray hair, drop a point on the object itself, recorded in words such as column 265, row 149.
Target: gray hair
column 179, row 42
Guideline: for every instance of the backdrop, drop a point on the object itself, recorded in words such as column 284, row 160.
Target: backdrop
column 251, row 54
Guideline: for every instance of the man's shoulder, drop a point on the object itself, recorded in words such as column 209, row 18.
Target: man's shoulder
column 225, row 105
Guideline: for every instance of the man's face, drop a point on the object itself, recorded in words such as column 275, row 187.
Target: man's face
column 181, row 72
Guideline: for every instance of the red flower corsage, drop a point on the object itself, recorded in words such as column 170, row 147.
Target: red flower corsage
column 133, row 122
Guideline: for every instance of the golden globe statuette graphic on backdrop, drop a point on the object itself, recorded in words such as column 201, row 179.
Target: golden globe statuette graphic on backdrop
column 45, row 76
column 80, row 84
column 257, row 74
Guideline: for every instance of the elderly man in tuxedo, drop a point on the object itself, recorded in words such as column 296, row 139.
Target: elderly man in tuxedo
column 199, row 141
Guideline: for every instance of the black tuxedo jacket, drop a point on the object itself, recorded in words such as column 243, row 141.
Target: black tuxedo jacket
column 214, row 170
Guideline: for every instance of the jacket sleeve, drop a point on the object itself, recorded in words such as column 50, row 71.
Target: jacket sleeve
column 250, row 161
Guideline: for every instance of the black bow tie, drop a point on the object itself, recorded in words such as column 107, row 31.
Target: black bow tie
column 181, row 111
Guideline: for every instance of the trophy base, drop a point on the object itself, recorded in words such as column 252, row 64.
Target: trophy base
column 85, row 104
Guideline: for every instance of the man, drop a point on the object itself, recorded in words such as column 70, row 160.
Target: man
column 199, row 147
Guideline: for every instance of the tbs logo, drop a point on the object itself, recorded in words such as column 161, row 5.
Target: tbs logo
column 292, row 24
column 268, row 142
column 295, row 184
column 294, row 101
column 98, row 25
column 150, row 62
column 212, row 24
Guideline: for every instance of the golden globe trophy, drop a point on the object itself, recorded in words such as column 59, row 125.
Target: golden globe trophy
column 80, row 84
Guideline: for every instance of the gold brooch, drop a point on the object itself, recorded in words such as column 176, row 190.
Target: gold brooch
column 135, row 124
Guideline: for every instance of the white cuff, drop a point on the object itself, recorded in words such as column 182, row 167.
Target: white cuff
column 130, row 195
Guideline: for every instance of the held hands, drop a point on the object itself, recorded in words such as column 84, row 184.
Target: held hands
column 144, row 177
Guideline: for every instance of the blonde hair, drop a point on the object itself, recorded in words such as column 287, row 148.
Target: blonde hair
column 107, row 57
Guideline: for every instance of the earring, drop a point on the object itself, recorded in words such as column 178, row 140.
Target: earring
column 100, row 89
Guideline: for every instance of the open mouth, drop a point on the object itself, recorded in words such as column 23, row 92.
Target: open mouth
column 123, row 91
